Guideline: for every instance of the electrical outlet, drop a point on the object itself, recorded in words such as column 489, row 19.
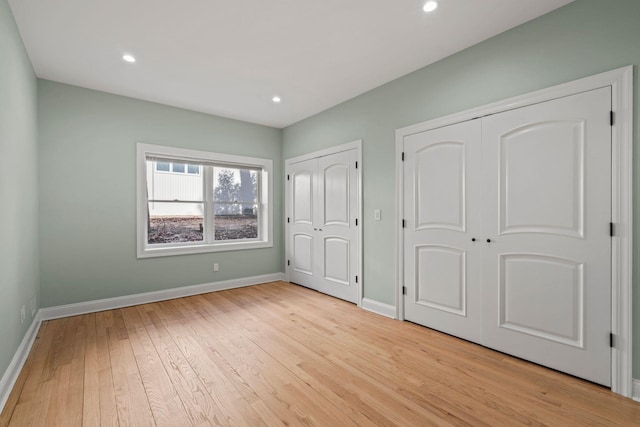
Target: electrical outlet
column 216, row 267
column 23, row 314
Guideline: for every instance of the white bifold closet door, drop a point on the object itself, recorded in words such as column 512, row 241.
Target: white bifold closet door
column 514, row 212
column 547, row 277
column 323, row 235
column 443, row 211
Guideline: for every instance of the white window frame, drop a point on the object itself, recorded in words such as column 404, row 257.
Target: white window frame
column 265, row 194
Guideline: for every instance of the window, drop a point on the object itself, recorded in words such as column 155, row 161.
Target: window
column 161, row 166
column 178, row 167
column 194, row 201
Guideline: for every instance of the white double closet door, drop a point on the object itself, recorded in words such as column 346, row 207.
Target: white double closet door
column 323, row 244
column 507, row 239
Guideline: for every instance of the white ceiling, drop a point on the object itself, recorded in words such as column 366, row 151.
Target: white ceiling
column 230, row 57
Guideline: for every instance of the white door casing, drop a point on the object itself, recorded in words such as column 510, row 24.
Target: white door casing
column 323, row 210
column 621, row 83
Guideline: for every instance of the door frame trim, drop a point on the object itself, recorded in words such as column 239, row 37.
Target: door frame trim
column 357, row 145
column 621, row 82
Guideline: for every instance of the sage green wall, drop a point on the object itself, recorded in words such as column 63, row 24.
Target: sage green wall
column 18, row 187
column 87, row 158
column 583, row 38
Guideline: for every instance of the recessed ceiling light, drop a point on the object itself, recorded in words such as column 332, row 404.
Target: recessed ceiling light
column 430, row 6
column 128, row 58
column 276, row 99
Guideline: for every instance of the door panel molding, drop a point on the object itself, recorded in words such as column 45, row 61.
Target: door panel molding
column 573, row 334
column 307, row 254
column 450, row 292
column 449, row 180
column 621, row 82
column 336, row 249
column 302, row 208
column 522, row 152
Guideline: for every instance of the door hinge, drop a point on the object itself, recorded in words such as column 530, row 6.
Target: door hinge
column 611, row 230
column 356, row 165
column 611, row 340
column 611, row 117
column 356, row 221
column 288, row 262
column 404, row 290
column 403, row 156
column 288, row 219
column 356, row 279
column 288, row 177
column 404, row 223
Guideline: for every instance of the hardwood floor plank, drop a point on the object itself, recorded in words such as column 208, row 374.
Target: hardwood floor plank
column 34, row 413
column 91, row 396
column 280, row 345
column 75, row 396
column 317, row 344
column 250, row 365
column 270, row 380
column 191, row 342
column 57, row 404
column 376, row 367
column 205, row 341
column 60, row 351
column 131, row 400
column 199, row 405
column 166, row 406
column 526, row 408
column 32, row 365
column 106, row 391
column 280, row 354
column 309, row 340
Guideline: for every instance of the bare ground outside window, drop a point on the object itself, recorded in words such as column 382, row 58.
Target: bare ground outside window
column 177, row 229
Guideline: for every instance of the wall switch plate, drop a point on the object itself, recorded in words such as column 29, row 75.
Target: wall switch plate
column 377, row 214
column 216, row 267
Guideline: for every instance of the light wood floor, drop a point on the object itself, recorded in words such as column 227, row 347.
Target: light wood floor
column 279, row 354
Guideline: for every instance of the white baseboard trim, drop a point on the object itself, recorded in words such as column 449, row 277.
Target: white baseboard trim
column 636, row 390
column 148, row 297
column 380, row 308
column 10, row 376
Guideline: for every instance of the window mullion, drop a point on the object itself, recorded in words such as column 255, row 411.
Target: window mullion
column 207, row 187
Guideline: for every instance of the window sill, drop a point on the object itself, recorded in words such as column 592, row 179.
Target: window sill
column 148, row 252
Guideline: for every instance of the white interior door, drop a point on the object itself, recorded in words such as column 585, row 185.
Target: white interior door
column 323, row 230
column 547, row 204
column 507, row 232
column 442, row 227
column 302, row 245
column 336, row 218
